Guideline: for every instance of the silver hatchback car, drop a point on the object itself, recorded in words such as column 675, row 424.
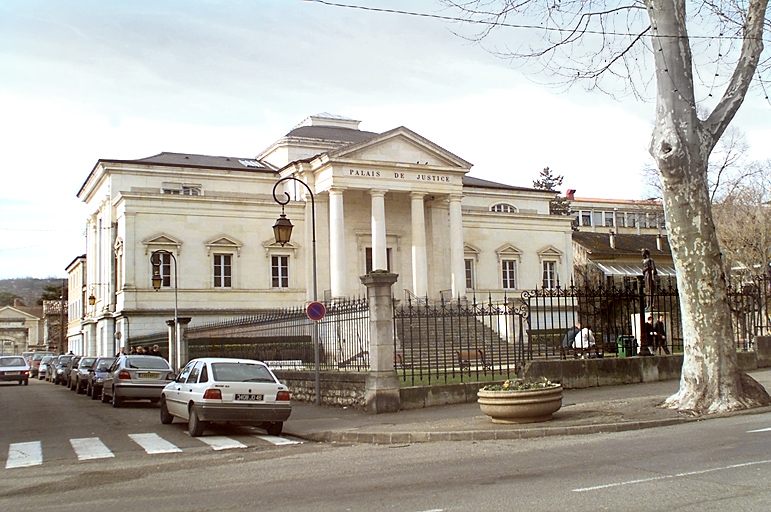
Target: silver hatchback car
column 136, row 377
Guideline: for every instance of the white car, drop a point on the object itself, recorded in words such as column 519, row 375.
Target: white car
column 217, row 389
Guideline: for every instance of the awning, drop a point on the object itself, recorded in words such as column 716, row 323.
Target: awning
column 625, row 270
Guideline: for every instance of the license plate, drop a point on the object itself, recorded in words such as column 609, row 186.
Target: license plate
column 244, row 396
column 11, row 373
column 148, row 375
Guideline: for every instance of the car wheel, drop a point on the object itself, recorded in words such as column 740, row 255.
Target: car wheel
column 275, row 428
column 26, row 382
column 195, row 426
column 21, row 382
column 166, row 417
column 79, row 388
column 94, row 394
column 115, row 400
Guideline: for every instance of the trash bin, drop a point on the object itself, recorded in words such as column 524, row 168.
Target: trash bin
column 626, row 346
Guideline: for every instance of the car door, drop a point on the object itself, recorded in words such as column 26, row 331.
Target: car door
column 174, row 402
column 110, row 377
column 187, row 390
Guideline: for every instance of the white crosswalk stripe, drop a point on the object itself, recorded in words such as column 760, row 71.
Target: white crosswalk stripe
column 153, row 443
column 90, row 448
column 278, row 441
column 221, row 442
column 24, row 455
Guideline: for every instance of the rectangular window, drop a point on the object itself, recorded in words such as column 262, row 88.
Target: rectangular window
column 165, row 269
column 608, row 219
column 586, row 218
column 597, row 219
column 368, row 257
column 222, row 270
column 279, row 271
column 620, row 219
column 469, row 273
column 632, row 217
column 509, row 274
column 191, row 190
column 550, row 274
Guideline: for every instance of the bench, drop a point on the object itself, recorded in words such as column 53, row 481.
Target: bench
column 466, row 357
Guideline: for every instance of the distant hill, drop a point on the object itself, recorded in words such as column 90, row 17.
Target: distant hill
column 28, row 288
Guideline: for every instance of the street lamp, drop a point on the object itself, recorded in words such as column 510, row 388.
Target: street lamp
column 282, row 230
column 157, row 280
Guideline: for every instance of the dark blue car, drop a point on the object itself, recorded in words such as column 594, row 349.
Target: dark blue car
column 96, row 375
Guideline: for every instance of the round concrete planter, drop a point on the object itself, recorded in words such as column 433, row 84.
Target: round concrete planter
column 520, row 406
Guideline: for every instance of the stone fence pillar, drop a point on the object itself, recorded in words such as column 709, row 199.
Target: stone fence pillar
column 178, row 343
column 381, row 391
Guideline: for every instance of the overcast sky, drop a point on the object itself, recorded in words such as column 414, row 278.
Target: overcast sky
column 90, row 79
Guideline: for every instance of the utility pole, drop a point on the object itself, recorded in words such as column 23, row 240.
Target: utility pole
column 61, row 319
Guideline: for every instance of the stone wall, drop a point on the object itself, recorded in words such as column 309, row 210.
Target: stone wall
column 337, row 388
column 347, row 389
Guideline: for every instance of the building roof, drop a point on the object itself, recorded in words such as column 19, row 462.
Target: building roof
column 470, row 181
column 213, row 162
column 332, row 133
column 627, row 245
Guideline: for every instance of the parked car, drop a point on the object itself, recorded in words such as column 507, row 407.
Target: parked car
column 71, row 364
column 58, row 376
column 96, row 375
column 241, row 391
column 42, row 370
column 79, row 374
column 34, row 363
column 14, row 369
column 136, row 377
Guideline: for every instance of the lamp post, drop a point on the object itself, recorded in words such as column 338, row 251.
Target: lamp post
column 282, row 230
column 156, row 260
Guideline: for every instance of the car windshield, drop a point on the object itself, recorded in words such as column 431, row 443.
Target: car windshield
column 86, row 361
column 39, row 356
column 46, row 359
column 12, row 361
column 152, row 362
column 65, row 359
column 103, row 365
column 241, row 372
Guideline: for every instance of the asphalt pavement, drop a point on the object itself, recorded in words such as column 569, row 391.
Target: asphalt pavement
column 584, row 411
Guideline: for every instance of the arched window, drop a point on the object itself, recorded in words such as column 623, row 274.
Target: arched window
column 503, row 208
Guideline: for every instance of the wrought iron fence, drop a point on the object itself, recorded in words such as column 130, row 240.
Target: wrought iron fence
column 284, row 337
column 458, row 341
column 470, row 340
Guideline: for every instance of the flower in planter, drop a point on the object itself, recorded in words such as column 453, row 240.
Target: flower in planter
column 521, row 384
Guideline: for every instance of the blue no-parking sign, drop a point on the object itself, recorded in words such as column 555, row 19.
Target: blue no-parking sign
column 316, row 311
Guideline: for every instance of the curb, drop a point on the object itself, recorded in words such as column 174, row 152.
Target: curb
column 386, row 438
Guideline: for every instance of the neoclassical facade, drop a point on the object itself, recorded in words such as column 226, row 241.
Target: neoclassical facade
column 392, row 200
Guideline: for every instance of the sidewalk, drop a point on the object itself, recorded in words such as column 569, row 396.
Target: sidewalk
column 584, row 411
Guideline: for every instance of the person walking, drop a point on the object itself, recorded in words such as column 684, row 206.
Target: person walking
column 660, row 336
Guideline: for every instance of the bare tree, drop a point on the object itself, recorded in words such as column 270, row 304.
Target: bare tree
column 603, row 44
column 743, row 222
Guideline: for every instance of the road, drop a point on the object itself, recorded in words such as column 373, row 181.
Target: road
column 720, row 464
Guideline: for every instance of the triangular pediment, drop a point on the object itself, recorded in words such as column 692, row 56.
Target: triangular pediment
column 161, row 240
column 401, row 145
column 508, row 250
column 550, row 252
column 224, row 242
column 10, row 312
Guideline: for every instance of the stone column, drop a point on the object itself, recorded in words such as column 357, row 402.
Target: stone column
column 379, row 253
column 182, row 354
column 457, row 266
column 381, row 392
column 419, row 266
column 172, row 357
column 337, row 264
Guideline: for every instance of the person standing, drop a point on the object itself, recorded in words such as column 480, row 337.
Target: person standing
column 660, row 335
column 648, row 336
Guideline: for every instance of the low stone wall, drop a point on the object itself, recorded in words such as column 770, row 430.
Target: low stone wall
column 347, row 389
column 337, row 388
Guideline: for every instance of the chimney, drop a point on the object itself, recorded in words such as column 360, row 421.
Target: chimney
column 658, row 242
column 612, row 237
column 571, row 194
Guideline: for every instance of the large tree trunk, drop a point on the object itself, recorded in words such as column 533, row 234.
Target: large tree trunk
column 711, row 381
